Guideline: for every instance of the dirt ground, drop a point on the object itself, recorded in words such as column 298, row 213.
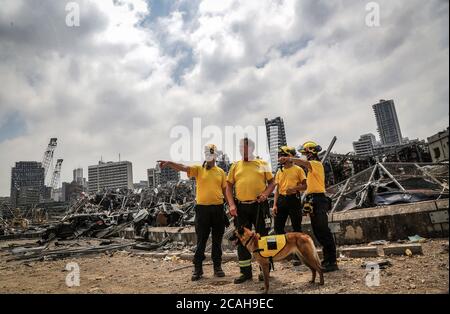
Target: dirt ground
column 125, row 272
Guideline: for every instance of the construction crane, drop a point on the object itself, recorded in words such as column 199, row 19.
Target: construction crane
column 48, row 155
column 56, row 174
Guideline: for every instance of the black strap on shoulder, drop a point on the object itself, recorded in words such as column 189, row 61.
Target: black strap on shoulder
column 248, row 241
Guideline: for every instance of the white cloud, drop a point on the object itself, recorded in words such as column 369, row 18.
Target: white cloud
column 119, row 82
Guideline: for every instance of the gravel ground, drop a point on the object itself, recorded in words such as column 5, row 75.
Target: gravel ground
column 124, row 272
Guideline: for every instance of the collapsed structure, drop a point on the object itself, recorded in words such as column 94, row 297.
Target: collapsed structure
column 391, row 183
column 122, row 214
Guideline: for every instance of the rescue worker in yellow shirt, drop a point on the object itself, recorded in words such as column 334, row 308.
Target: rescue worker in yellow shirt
column 209, row 210
column 316, row 201
column 289, row 181
column 253, row 182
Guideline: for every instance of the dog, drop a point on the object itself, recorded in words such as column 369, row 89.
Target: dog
column 297, row 243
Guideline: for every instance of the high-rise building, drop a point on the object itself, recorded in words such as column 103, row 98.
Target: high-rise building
column 276, row 137
column 27, row 184
column 167, row 175
column 79, row 179
column 153, row 178
column 387, row 122
column 110, row 175
column 78, row 176
column 365, row 145
column 157, row 176
column 70, row 191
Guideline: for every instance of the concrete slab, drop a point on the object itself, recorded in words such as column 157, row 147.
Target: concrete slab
column 357, row 252
column 400, row 249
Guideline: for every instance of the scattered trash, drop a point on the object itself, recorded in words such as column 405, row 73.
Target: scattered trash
column 416, row 239
column 379, row 242
column 171, row 258
column 408, row 252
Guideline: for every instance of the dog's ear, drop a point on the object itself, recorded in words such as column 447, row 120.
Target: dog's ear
column 241, row 230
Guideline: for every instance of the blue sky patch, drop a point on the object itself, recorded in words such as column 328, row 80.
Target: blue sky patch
column 13, row 126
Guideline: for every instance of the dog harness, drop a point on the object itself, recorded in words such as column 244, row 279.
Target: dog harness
column 270, row 246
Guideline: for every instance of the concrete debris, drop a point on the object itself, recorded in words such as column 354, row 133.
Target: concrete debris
column 391, row 183
column 417, row 239
column 403, row 249
column 40, row 252
column 115, row 213
column 379, row 242
column 110, row 214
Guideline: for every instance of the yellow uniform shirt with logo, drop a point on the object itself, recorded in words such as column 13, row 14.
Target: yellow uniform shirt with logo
column 315, row 179
column 209, row 184
column 249, row 178
column 289, row 178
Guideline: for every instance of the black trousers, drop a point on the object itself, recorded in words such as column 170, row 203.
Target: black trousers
column 209, row 219
column 249, row 215
column 319, row 224
column 288, row 206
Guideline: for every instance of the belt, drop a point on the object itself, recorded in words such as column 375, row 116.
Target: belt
column 313, row 196
column 316, row 194
column 247, row 202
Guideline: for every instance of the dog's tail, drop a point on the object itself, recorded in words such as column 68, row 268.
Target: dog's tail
column 316, row 255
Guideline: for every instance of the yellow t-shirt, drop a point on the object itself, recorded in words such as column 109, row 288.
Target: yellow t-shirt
column 315, row 179
column 289, row 178
column 209, row 184
column 249, row 178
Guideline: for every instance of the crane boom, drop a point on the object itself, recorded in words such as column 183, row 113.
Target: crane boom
column 48, row 155
column 56, row 174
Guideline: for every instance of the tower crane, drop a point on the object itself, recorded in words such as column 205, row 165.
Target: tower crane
column 48, row 155
column 56, row 174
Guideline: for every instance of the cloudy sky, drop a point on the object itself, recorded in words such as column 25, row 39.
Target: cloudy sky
column 135, row 69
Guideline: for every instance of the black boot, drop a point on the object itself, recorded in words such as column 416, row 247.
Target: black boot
column 218, row 272
column 246, row 274
column 329, row 266
column 296, row 261
column 198, row 273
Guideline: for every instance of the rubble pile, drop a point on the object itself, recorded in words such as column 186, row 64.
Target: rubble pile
column 389, row 184
column 101, row 222
column 113, row 212
column 41, row 251
column 109, row 217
